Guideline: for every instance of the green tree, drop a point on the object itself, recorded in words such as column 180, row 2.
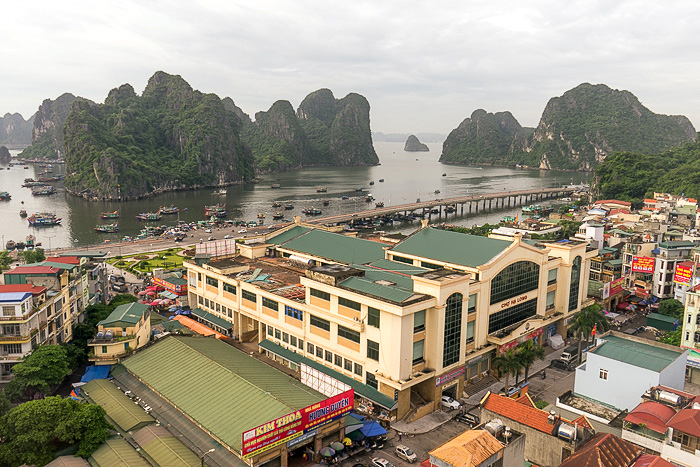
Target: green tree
column 46, row 366
column 34, row 431
column 671, row 307
column 507, row 364
column 529, row 353
column 5, row 403
column 5, row 260
column 585, row 321
column 33, row 256
column 672, row 338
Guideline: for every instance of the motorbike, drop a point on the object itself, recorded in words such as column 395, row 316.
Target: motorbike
column 544, row 374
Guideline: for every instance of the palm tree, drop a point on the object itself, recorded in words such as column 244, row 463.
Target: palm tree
column 529, row 353
column 584, row 322
column 507, row 364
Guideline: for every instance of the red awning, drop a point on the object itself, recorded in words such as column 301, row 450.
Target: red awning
column 622, row 305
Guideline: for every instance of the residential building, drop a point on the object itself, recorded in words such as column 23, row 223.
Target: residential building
column 667, row 256
column 126, row 329
column 481, row 448
column 690, row 334
column 608, row 450
column 445, row 303
column 620, row 368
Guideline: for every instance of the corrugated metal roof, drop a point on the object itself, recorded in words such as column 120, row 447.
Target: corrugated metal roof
column 396, row 266
column 165, row 449
column 452, row 247
column 122, row 410
column 54, row 264
column 636, row 353
column 33, row 270
column 116, row 452
column 68, row 461
column 385, row 292
column 287, row 235
column 14, row 296
column 212, row 318
column 469, row 449
column 336, row 247
column 239, row 391
column 129, row 313
column 401, row 279
column 676, row 244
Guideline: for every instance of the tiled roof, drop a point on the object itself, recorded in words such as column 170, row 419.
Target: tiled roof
column 636, row 353
column 613, row 201
column 654, row 414
column 471, row 448
column 519, row 412
column 604, row 450
column 650, row 460
column 34, row 289
column 64, row 259
column 687, row 421
column 33, row 270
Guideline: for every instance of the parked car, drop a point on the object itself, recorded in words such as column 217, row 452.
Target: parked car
column 405, row 453
column 562, row 365
column 243, row 231
column 207, row 230
column 449, row 403
column 468, row 418
column 381, row 462
column 228, row 236
column 116, row 279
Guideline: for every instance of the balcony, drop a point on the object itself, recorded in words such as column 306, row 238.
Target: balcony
column 111, row 340
column 14, row 338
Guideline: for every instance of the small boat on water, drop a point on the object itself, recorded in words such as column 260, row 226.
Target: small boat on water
column 22, row 213
column 369, row 198
column 381, row 180
column 43, row 190
column 371, row 182
column 437, row 192
column 148, row 216
column 218, row 210
column 326, row 202
column 537, row 209
column 509, row 220
column 444, row 175
column 311, row 211
column 110, row 215
column 275, row 186
column 379, row 204
column 21, row 245
column 321, row 189
column 30, row 241
column 288, row 206
column 278, row 215
column 168, row 209
column 107, row 228
column 343, row 197
column 43, row 219
column 359, row 189
column 261, row 215
column 220, row 191
column 10, row 245
column 276, row 204
column 4, row 195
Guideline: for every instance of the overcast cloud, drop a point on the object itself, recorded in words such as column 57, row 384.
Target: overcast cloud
column 423, row 66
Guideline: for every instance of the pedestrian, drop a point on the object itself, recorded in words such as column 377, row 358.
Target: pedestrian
column 399, row 437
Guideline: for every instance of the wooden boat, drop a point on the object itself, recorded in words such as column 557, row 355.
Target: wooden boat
column 311, row 211
column 43, row 219
column 108, row 228
column 10, row 245
column 379, row 204
column 220, row 191
column 30, row 241
column 278, row 215
column 218, row 210
column 321, row 189
column 4, row 195
column 275, row 186
column 381, row 180
column 148, row 216
column 288, row 206
column 43, row 190
column 22, row 213
column 276, row 204
column 371, row 182
column 168, row 209
column 537, row 209
column 326, row 202
column 110, row 215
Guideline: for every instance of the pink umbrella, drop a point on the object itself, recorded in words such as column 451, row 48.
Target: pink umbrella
column 143, row 292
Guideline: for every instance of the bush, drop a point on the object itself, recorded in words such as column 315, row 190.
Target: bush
column 541, row 404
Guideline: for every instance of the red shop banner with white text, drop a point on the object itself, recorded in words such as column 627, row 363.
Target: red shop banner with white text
column 642, row 264
column 683, row 274
column 292, row 425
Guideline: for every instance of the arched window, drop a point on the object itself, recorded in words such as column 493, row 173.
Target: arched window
column 515, row 279
column 575, row 279
column 453, row 329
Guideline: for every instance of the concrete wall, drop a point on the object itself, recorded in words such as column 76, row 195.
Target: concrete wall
column 673, row 376
column 514, row 452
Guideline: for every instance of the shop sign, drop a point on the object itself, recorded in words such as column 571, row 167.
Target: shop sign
column 683, row 274
column 693, row 358
column 520, row 340
column 514, row 301
column 616, row 286
column 305, row 437
column 642, row 264
column 178, row 289
column 446, row 378
column 295, row 424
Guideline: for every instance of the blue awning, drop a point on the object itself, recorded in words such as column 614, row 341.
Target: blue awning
column 95, row 372
column 372, row 428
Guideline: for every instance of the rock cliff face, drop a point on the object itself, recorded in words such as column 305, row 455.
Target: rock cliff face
column 5, row 155
column 413, row 144
column 47, row 132
column 485, row 138
column 170, row 138
column 576, row 132
column 15, row 130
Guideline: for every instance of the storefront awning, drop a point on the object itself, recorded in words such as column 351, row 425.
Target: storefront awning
column 167, row 294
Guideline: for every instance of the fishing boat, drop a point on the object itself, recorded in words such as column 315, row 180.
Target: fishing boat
column 379, row 204
column 21, row 245
column 444, row 175
column 10, row 245
column 148, row 216
column 276, row 204
column 220, row 191
column 30, row 182
column 108, row 228
column 369, row 198
column 43, row 219
column 371, row 182
column 168, row 210
column 359, row 189
column 321, row 189
column 22, row 213
column 437, row 192
column 381, row 180
column 537, row 209
column 218, row 210
column 343, row 197
column 288, row 206
column 43, row 190
column 326, row 202
column 311, row 211
column 509, row 220
column 4, row 195
column 275, row 186
column 261, row 215
column 278, row 215
column 30, row 241
column 110, row 215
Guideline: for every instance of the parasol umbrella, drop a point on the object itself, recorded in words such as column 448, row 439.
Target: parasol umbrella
column 155, row 302
column 347, row 441
column 327, row 451
column 173, row 308
column 337, row 446
column 143, row 292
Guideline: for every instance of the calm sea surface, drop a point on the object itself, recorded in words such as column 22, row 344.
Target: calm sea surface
column 407, row 176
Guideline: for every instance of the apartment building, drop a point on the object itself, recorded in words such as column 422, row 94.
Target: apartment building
column 411, row 321
column 126, row 329
column 690, row 334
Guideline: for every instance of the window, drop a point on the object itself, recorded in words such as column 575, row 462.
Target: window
column 293, row 341
column 419, row 321
column 373, row 350
column 329, row 356
column 213, row 282
column 603, row 374
column 418, row 351
column 270, row 331
column 371, row 381
column 512, row 315
column 310, row 348
column 575, row 279
column 285, row 338
column 348, row 365
column 218, row 308
column 126, row 346
column 338, row 360
column 10, row 329
column 320, row 294
column 349, row 303
column 401, row 259
column 271, row 304
column 471, row 306
column 453, row 329
column 550, row 299
column 206, row 303
column 470, row 332
column 373, row 317
column 514, row 280
column 348, row 334
column 230, row 288
column 428, row 265
column 552, row 276
column 193, row 280
column 278, row 334
column 200, row 300
column 293, row 313
column 249, row 296
column 320, row 323
column 358, row 369
column 319, row 352
column 300, row 344
column 104, row 349
column 8, row 311
column 199, row 276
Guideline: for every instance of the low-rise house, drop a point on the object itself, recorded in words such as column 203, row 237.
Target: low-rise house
column 608, row 450
column 481, row 448
column 127, row 328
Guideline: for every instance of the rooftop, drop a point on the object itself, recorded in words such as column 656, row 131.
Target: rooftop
column 14, row 297
column 40, row 270
column 212, row 318
column 451, row 247
column 471, row 448
column 613, row 201
column 117, row 452
column 119, row 407
column 164, row 448
column 129, row 313
column 336, row 247
column 687, row 421
column 673, row 244
column 654, row 414
column 34, row 289
column 523, row 411
column 648, row 356
column 604, row 449
column 278, row 238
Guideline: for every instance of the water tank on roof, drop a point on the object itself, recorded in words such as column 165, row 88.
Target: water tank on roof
column 494, row 427
column 696, row 405
column 566, row 432
column 100, row 335
column 109, row 335
column 669, row 397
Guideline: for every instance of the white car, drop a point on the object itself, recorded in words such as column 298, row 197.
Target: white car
column 228, row 236
column 207, row 230
column 449, row 403
column 243, row 231
column 405, row 453
column 381, row 462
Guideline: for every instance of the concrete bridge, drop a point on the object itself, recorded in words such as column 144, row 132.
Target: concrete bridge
column 462, row 204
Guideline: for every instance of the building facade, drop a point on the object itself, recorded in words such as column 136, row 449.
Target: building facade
column 126, row 329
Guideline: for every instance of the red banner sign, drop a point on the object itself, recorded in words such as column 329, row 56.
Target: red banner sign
column 292, row 425
column 642, row 264
column 176, row 289
column 520, row 340
column 683, row 274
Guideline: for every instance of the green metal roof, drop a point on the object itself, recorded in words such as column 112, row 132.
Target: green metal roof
column 212, row 318
column 676, row 244
column 176, row 280
column 392, row 293
column 452, row 247
column 129, row 313
column 665, row 318
column 67, row 266
column 636, row 353
column 361, row 389
column 614, row 262
column 70, row 461
column 396, row 266
column 122, row 410
column 336, row 247
column 116, row 452
column 164, row 449
column 240, row 392
column 287, row 235
column 402, row 280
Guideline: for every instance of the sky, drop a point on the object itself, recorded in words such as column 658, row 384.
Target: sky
column 423, row 66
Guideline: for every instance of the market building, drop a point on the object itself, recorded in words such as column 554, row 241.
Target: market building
column 411, row 320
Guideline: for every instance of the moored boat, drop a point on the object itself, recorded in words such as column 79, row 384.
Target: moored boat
column 110, row 215
column 288, row 206
column 148, row 216
column 379, row 204
column 168, row 209
column 311, row 211
column 10, row 245
column 218, row 210
column 537, row 209
column 220, row 191
column 321, row 189
column 43, row 190
column 107, row 228
column 22, row 213
column 30, row 241
column 326, row 202
column 4, row 195
column 276, row 204
column 381, row 180
column 43, row 219
column 277, row 215
column 275, row 186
